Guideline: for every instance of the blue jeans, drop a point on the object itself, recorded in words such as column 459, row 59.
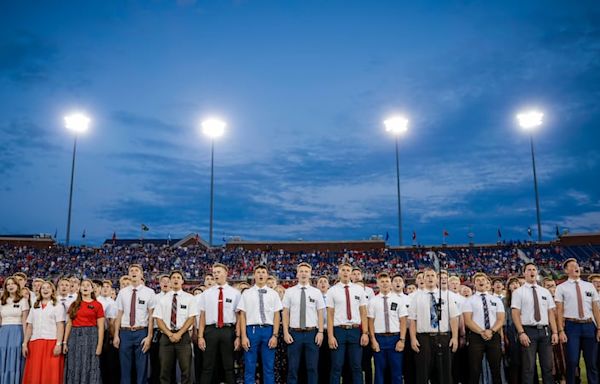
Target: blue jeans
column 388, row 357
column 581, row 337
column 130, row 352
column 303, row 341
column 348, row 340
column 259, row 341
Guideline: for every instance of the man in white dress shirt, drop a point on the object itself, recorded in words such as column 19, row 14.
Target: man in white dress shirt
column 578, row 306
column 259, row 323
column 133, row 327
column 303, row 308
column 347, row 325
column 175, row 314
column 387, row 314
column 533, row 316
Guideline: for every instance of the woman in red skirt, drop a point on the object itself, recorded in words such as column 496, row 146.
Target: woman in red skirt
column 43, row 339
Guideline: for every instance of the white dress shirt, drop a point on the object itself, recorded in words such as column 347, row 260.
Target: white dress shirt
column 369, row 293
column 396, row 310
column 208, row 302
column 336, row 299
column 157, row 298
column 419, row 311
column 66, row 301
column 250, row 304
column 522, row 299
column 567, row 293
column 186, row 308
column 474, row 305
column 43, row 321
column 110, row 307
column 145, row 301
column 314, row 303
column 458, row 299
column 10, row 313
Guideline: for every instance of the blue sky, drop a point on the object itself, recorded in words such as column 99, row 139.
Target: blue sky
column 304, row 87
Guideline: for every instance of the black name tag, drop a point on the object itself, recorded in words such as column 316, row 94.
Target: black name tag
column 90, row 306
column 228, row 300
column 544, row 298
column 394, row 306
column 311, row 299
column 357, row 297
column 407, row 305
column 16, row 305
column 142, row 302
column 589, row 294
column 183, row 306
column 493, row 304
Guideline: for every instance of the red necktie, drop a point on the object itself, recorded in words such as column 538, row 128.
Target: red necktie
column 132, row 308
column 348, row 309
column 174, row 312
column 220, row 312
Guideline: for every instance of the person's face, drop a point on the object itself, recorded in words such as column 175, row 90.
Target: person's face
column 113, row 293
column 165, row 283
column 573, row 270
column 46, row 291
column 384, row 284
column 97, row 289
column 260, row 276
column 356, row 276
column 398, row 284
column 323, row 284
column 480, row 283
column 209, row 280
column 64, row 287
column 453, row 285
column 444, row 280
column 514, row 285
column 420, row 280
column 135, row 274
column 596, row 283
column 411, row 288
column 11, row 286
column 303, row 274
column 74, row 285
column 20, row 281
column 86, row 288
column 37, row 285
column 548, row 284
column 530, row 274
column 124, row 282
column 466, row 291
column 176, row 281
column 25, row 293
column 430, row 279
column 271, row 283
column 219, row 276
column 344, row 273
column 498, row 287
column 106, row 288
column 488, row 285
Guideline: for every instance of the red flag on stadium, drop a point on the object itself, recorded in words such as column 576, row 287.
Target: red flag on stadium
column 114, row 238
column 446, row 234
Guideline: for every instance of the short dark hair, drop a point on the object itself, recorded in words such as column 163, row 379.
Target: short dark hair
column 397, row 275
column 566, row 262
column 382, row 275
column 528, row 264
column 178, row 272
column 135, row 265
column 261, row 266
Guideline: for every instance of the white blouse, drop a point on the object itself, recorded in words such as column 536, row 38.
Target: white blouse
column 43, row 320
column 10, row 313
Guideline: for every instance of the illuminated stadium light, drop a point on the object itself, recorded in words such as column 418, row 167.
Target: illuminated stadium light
column 530, row 120
column 396, row 125
column 213, row 128
column 77, row 122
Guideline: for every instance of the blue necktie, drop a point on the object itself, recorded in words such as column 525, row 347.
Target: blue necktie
column 433, row 317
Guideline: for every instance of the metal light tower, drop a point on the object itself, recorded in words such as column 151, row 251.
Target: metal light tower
column 397, row 126
column 213, row 128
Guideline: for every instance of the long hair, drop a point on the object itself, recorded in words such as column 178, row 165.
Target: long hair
column 6, row 295
column 77, row 303
column 38, row 300
column 508, row 296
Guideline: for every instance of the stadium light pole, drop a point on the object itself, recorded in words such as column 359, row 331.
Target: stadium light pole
column 213, row 128
column 529, row 121
column 77, row 123
column 397, row 126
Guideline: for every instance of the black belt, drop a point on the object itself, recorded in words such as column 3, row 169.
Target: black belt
column 228, row 325
column 309, row 329
column 388, row 334
column 349, row 326
column 579, row 321
column 434, row 333
column 535, row 326
column 260, row 325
